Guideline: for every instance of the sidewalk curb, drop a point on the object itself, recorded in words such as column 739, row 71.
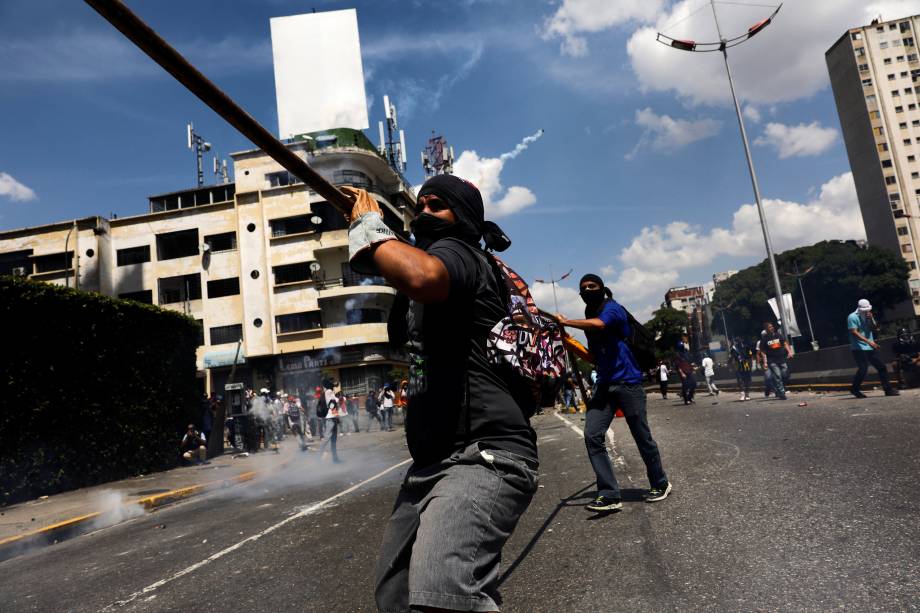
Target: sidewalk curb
column 12, row 546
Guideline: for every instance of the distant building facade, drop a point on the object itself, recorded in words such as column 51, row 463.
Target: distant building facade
column 875, row 75
column 263, row 261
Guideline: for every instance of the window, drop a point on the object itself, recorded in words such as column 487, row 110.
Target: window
column 298, row 322
column 906, row 141
column 53, row 261
column 896, row 42
column 133, row 255
column 880, row 29
column 219, row 288
column 856, row 35
column 911, row 107
column 863, row 67
column 915, row 175
column 905, row 26
column 870, row 99
column 352, row 177
column 364, row 316
column 292, row 273
column 886, row 163
column 899, row 109
column 894, row 197
column 895, row 93
column 892, row 26
column 908, row 90
column 904, row 75
column 911, row 158
column 892, row 77
column 891, row 181
column 911, row 57
column 200, row 323
column 291, row 225
column 907, row 248
column 867, row 82
column 909, row 41
column 878, row 131
column 180, row 289
column 11, row 261
column 860, row 52
column 145, row 296
column 226, row 334
column 873, row 114
column 221, row 242
column 902, row 231
column 883, row 45
column 900, row 58
column 280, row 179
column 172, row 245
column 903, row 125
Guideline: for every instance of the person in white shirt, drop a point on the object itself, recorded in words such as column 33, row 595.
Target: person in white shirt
column 663, row 379
column 709, row 372
column 386, row 400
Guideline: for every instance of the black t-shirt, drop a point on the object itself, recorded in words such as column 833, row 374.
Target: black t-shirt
column 774, row 346
column 452, row 373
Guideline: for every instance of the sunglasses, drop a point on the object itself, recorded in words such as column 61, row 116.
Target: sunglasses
column 433, row 203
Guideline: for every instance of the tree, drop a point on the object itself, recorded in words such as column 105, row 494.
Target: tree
column 843, row 273
column 668, row 325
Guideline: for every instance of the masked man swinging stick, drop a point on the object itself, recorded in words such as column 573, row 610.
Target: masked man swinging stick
column 473, row 450
column 619, row 385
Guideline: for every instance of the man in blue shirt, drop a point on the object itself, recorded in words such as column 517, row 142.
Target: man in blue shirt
column 619, row 386
column 862, row 327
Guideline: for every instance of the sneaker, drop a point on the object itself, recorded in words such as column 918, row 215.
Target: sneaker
column 892, row 392
column 658, row 493
column 857, row 393
column 602, row 504
column 742, row 397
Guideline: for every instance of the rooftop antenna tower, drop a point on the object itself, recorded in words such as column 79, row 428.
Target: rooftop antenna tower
column 220, row 169
column 392, row 140
column 196, row 141
column 437, row 157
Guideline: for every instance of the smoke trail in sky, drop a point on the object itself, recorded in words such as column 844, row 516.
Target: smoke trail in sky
column 521, row 146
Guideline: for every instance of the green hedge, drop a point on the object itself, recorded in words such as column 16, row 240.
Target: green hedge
column 94, row 388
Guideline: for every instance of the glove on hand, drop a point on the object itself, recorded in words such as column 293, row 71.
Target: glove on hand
column 366, row 230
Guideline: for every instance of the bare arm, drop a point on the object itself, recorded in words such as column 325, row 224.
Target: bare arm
column 855, row 332
column 594, row 323
column 413, row 272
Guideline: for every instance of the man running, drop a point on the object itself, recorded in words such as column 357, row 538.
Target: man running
column 709, row 371
column 474, row 453
column 619, row 386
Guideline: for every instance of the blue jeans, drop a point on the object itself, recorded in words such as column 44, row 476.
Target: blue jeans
column 568, row 397
column 780, row 377
column 630, row 398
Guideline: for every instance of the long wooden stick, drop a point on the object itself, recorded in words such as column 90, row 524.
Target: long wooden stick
column 142, row 35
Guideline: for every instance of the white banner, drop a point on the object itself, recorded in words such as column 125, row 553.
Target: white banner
column 792, row 324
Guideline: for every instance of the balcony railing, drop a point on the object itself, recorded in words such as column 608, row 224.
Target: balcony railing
column 351, row 280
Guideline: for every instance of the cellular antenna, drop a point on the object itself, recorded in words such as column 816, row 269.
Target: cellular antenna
column 220, row 169
column 437, row 157
column 393, row 143
column 196, row 141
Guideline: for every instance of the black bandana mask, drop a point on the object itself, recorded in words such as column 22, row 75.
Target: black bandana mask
column 429, row 229
column 592, row 297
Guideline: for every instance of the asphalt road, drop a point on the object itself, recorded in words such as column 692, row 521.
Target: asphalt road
column 775, row 507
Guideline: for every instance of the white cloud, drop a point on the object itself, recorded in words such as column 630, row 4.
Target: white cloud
column 797, row 141
column 656, row 257
column 752, row 113
column 784, row 62
column 14, row 190
column 665, row 134
column 485, row 173
column 580, row 16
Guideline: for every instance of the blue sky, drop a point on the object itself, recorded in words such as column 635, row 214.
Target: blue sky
column 639, row 174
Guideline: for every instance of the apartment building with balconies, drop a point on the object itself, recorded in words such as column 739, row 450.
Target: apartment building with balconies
column 261, row 263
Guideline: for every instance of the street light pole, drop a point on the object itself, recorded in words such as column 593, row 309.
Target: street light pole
column 750, row 162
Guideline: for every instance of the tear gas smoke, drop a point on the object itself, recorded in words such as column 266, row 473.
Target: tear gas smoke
column 521, row 146
column 114, row 508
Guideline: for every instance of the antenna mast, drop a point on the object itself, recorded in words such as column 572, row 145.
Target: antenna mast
column 393, row 140
column 196, row 141
column 438, row 156
column 220, row 169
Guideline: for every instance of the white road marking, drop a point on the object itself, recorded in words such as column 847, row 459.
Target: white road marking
column 618, row 459
column 312, row 508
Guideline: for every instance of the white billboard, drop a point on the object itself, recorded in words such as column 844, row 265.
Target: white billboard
column 319, row 79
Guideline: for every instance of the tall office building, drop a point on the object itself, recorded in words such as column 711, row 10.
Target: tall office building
column 875, row 75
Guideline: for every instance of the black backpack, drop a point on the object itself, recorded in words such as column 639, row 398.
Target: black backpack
column 641, row 342
column 321, row 408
